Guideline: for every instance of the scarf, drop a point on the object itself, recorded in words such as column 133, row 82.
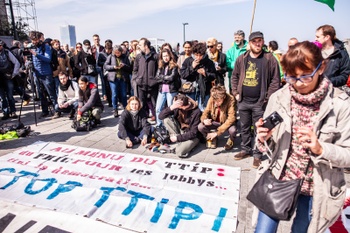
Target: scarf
column 213, row 57
column 304, row 111
column 66, row 86
column 134, row 113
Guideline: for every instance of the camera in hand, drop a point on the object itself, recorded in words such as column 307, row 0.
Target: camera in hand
column 271, row 121
column 26, row 51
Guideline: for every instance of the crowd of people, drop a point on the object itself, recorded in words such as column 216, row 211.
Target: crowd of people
column 185, row 94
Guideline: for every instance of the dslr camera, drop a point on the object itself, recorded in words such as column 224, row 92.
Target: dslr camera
column 272, row 121
column 27, row 53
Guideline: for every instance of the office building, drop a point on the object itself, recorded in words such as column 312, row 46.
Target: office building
column 68, row 35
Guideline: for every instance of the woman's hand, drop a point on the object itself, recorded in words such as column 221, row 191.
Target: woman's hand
column 144, row 141
column 263, row 134
column 78, row 117
column 129, row 142
column 308, row 139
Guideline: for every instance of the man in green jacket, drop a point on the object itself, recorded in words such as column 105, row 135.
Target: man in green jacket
column 238, row 48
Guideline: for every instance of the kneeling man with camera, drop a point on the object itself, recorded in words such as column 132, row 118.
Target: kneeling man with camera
column 68, row 95
column 181, row 119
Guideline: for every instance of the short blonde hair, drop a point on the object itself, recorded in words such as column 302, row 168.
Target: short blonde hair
column 212, row 40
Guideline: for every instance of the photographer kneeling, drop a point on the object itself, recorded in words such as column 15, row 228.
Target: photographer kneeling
column 68, row 95
column 181, row 119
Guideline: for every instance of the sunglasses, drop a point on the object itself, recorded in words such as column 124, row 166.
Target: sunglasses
column 304, row 78
column 78, row 47
column 210, row 46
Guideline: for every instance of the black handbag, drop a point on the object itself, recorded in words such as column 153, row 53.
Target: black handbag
column 276, row 198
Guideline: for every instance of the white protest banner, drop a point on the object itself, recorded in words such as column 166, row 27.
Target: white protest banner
column 140, row 193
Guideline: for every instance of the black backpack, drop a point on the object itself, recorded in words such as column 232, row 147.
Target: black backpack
column 86, row 122
column 161, row 134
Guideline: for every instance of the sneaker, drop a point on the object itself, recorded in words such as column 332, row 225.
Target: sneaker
column 229, row 144
column 185, row 155
column 44, row 114
column 241, row 155
column 56, row 115
column 115, row 113
column 6, row 116
column 256, row 162
column 26, row 102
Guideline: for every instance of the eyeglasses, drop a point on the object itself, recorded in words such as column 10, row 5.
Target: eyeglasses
column 210, row 46
column 304, row 78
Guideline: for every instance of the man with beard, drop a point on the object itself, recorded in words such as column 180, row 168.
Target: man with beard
column 255, row 77
column 68, row 95
column 144, row 74
column 239, row 47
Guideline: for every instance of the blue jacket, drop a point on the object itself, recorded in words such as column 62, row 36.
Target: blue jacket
column 42, row 60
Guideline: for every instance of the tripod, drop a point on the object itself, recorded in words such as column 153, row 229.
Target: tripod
column 31, row 77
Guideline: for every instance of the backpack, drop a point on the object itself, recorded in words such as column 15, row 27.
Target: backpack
column 86, row 122
column 54, row 59
column 6, row 66
column 161, row 134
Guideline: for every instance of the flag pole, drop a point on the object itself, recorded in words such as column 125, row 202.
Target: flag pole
column 251, row 24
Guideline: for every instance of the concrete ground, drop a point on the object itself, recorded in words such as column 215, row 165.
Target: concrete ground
column 105, row 137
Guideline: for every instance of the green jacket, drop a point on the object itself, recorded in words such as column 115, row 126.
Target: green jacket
column 231, row 56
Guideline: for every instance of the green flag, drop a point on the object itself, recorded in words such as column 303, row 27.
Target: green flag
column 330, row 3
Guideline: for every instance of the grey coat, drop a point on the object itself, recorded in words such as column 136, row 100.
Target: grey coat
column 111, row 62
column 333, row 129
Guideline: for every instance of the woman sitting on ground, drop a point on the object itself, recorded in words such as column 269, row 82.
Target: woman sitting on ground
column 89, row 99
column 133, row 125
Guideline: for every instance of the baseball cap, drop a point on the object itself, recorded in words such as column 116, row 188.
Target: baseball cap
column 240, row 32
column 255, row 35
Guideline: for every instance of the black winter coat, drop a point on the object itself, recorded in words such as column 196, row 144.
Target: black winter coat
column 338, row 65
column 133, row 124
column 144, row 71
column 172, row 78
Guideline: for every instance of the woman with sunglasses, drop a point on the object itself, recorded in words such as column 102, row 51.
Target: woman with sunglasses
column 76, row 71
column 312, row 142
column 219, row 60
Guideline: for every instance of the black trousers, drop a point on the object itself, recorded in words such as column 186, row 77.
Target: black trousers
column 249, row 114
column 148, row 99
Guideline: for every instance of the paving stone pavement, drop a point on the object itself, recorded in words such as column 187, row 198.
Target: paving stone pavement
column 105, row 137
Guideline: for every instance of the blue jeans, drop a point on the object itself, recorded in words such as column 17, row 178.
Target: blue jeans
column 57, row 84
column 92, row 79
column 300, row 223
column 201, row 105
column 118, row 87
column 68, row 109
column 47, row 84
column 6, row 94
column 162, row 97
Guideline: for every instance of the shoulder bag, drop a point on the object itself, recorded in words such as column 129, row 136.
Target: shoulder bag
column 276, row 198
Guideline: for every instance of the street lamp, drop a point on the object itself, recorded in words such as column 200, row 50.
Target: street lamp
column 184, row 24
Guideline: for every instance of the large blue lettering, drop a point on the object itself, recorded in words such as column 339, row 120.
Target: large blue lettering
column 218, row 220
column 159, row 210
column 49, row 183
column 106, row 192
column 14, row 180
column 134, row 200
column 63, row 188
column 197, row 212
